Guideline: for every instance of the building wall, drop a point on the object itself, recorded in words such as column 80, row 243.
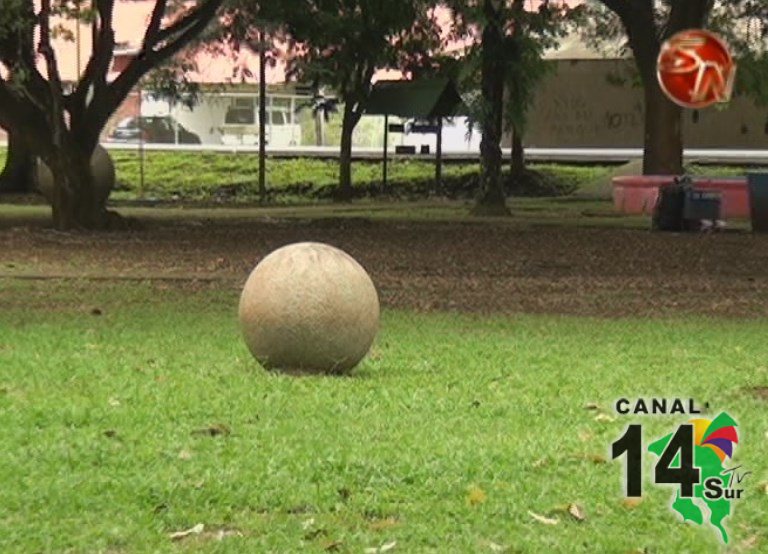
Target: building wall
column 208, row 118
column 205, row 119
column 296, row 125
column 580, row 105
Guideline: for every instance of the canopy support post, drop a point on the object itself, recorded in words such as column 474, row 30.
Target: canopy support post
column 386, row 144
column 439, row 156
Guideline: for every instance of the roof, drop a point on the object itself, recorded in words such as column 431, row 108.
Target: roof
column 423, row 99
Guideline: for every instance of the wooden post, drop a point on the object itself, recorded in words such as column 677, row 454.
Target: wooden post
column 141, row 147
column 263, row 119
column 439, row 156
column 386, row 145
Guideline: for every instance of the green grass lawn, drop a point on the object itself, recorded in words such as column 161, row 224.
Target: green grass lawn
column 202, row 175
column 207, row 175
column 443, row 440
column 567, row 211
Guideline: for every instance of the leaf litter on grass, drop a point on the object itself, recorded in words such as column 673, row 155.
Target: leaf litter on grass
column 195, row 530
column 386, row 547
column 215, row 430
column 543, row 519
column 468, row 267
column 577, row 512
column 476, row 495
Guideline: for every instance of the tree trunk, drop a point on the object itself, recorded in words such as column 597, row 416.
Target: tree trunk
column 262, row 120
column 74, row 204
column 491, row 199
column 17, row 174
column 517, row 160
column 663, row 140
column 320, row 128
column 345, row 159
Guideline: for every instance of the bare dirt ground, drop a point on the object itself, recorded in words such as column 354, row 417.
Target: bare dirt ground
column 481, row 267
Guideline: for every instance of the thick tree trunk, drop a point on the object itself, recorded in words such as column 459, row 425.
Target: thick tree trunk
column 262, row 120
column 663, row 140
column 491, row 199
column 517, row 160
column 345, row 159
column 74, row 204
column 17, row 174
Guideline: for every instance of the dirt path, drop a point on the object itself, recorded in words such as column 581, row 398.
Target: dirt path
column 434, row 266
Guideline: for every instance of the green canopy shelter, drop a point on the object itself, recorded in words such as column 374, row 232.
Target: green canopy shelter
column 422, row 99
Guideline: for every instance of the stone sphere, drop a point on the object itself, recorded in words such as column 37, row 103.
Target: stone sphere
column 103, row 175
column 309, row 308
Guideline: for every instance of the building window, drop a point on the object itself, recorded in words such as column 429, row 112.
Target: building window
column 241, row 111
column 279, row 118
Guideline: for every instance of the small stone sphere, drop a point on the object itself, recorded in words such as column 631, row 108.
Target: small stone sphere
column 309, row 308
column 103, row 175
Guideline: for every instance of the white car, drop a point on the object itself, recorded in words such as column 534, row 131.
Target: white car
column 241, row 128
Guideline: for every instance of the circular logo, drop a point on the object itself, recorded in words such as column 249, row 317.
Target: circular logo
column 695, row 69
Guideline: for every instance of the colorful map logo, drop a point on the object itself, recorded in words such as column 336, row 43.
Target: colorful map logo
column 713, row 485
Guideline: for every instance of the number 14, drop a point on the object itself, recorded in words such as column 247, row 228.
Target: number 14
column 683, row 473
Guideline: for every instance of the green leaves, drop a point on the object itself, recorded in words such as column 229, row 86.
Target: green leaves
column 527, row 35
column 341, row 43
column 743, row 24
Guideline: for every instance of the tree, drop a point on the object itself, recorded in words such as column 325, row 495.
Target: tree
column 170, row 82
column 61, row 123
column 748, row 39
column 509, row 44
column 531, row 34
column 494, row 59
column 484, row 22
column 258, row 26
column 341, row 44
column 322, row 107
column 646, row 24
column 17, row 173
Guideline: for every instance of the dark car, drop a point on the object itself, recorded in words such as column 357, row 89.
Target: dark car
column 157, row 129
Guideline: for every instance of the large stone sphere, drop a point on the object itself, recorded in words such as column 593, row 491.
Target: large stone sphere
column 309, row 307
column 103, row 175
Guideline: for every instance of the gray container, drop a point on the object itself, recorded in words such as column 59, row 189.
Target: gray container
column 757, row 184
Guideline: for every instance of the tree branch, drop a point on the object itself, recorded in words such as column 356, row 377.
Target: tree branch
column 45, row 48
column 637, row 17
column 685, row 14
column 98, row 64
column 104, row 50
column 150, row 37
column 10, row 115
column 55, row 108
column 184, row 31
column 183, row 24
column 619, row 7
column 22, row 116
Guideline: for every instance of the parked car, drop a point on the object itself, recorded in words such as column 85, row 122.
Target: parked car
column 157, row 129
column 241, row 125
